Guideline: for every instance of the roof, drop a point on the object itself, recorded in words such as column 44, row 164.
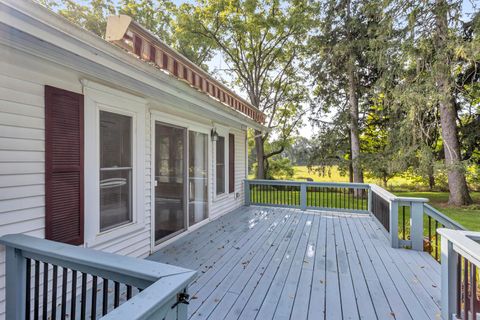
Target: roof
column 29, row 27
column 131, row 36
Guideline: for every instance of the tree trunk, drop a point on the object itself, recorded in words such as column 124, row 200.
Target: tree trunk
column 353, row 124
column 431, row 182
column 457, row 184
column 260, row 155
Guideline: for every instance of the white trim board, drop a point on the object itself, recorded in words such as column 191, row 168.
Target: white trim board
column 95, row 101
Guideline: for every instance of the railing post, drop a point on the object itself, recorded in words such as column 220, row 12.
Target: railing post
column 449, row 279
column 393, row 227
column 15, row 269
column 369, row 204
column 247, row 192
column 416, row 225
column 303, row 196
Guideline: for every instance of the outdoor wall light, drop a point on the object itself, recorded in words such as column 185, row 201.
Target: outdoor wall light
column 214, row 134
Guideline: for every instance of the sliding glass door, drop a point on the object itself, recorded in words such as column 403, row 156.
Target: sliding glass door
column 181, row 179
column 170, row 180
column 198, row 177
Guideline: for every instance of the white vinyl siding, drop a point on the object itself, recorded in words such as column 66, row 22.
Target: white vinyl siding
column 22, row 156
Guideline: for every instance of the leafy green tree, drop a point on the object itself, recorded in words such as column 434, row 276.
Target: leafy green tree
column 260, row 41
column 347, row 49
column 436, row 52
column 159, row 17
column 91, row 16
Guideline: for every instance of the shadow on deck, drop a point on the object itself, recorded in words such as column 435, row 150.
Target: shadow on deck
column 280, row 263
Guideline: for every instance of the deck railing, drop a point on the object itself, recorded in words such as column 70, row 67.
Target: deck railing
column 460, row 274
column 410, row 222
column 50, row 280
column 351, row 197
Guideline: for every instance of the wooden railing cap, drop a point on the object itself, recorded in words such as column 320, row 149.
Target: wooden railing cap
column 73, row 255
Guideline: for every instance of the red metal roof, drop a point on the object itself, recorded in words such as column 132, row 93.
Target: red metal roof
column 124, row 32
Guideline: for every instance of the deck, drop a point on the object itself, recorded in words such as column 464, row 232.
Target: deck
column 281, row 263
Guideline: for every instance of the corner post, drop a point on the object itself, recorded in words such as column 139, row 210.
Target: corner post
column 15, row 270
column 393, row 227
column 369, row 204
column 449, row 279
column 416, row 225
column 303, row 196
column 247, row 192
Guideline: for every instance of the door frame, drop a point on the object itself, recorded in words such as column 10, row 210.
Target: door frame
column 179, row 122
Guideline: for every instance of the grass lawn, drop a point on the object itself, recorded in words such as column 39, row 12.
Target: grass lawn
column 468, row 216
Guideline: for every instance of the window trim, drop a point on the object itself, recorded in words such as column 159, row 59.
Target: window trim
column 99, row 98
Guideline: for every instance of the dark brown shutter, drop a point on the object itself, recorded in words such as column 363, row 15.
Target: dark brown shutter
column 63, row 166
column 231, row 163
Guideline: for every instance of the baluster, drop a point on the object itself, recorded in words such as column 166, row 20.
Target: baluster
column 64, row 293
column 83, row 307
column 105, row 297
column 28, row 288
column 473, row 290
column 116, row 298
column 465, row 289
column 54, row 292
column 73, row 301
column 430, row 233
column 36, row 293
column 93, row 311
column 459, row 287
column 336, row 198
column 45, row 291
column 129, row 292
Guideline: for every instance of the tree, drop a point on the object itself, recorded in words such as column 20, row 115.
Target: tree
column 159, row 17
column 434, row 53
column 346, row 48
column 260, row 40
column 91, row 16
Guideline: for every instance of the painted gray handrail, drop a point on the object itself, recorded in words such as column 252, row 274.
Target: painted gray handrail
column 142, row 274
column 442, row 218
column 307, row 183
column 456, row 243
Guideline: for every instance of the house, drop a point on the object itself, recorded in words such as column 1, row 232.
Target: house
column 118, row 144
column 120, row 148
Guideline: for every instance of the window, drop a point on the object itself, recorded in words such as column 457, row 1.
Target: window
column 220, row 165
column 198, row 176
column 231, row 163
column 115, row 170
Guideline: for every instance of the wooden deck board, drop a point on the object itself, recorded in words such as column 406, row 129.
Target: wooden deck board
column 281, row 263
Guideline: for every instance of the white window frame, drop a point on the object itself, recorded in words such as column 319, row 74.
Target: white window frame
column 223, row 132
column 99, row 98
